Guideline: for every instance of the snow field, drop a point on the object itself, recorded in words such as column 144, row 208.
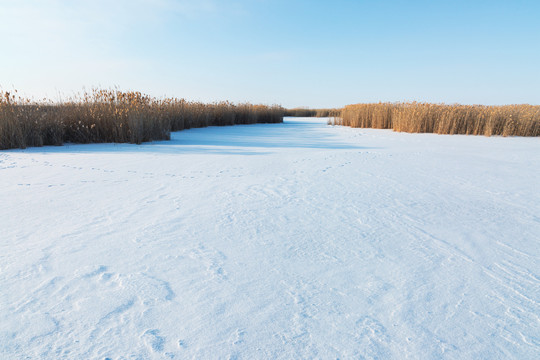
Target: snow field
column 293, row 240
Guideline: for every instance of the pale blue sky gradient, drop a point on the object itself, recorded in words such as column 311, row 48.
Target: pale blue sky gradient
column 294, row 53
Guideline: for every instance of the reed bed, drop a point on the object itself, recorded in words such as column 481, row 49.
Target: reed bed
column 507, row 120
column 328, row 113
column 114, row 116
column 300, row 112
column 303, row 112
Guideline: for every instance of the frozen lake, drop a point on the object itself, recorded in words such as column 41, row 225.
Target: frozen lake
column 288, row 241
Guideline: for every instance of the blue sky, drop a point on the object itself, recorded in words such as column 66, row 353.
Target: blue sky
column 294, row 53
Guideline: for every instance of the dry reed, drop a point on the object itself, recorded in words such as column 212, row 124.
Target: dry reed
column 303, row 112
column 115, row 116
column 300, row 112
column 507, row 120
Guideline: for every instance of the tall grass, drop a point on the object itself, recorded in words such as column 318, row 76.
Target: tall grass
column 304, row 112
column 301, row 112
column 328, row 113
column 115, row 116
column 507, row 120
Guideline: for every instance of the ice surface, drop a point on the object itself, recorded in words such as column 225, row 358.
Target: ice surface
column 295, row 240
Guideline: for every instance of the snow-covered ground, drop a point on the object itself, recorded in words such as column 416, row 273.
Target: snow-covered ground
column 287, row 241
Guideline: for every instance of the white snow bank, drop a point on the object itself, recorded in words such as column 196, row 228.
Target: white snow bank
column 294, row 240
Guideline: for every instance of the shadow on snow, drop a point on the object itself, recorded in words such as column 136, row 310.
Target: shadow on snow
column 255, row 139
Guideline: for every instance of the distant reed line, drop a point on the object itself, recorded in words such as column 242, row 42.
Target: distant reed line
column 101, row 116
column 303, row 112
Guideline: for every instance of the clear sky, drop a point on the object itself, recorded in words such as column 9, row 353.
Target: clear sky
column 293, row 53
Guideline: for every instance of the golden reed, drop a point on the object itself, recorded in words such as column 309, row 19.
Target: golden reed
column 115, row 116
column 304, row 112
column 507, row 120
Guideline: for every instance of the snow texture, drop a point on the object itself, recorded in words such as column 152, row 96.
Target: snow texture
column 286, row 241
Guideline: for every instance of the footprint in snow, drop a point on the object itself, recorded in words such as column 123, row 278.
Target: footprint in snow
column 373, row 337
column 212, row 259
column 99, row 270
column 238, row 337
column 152, row 339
